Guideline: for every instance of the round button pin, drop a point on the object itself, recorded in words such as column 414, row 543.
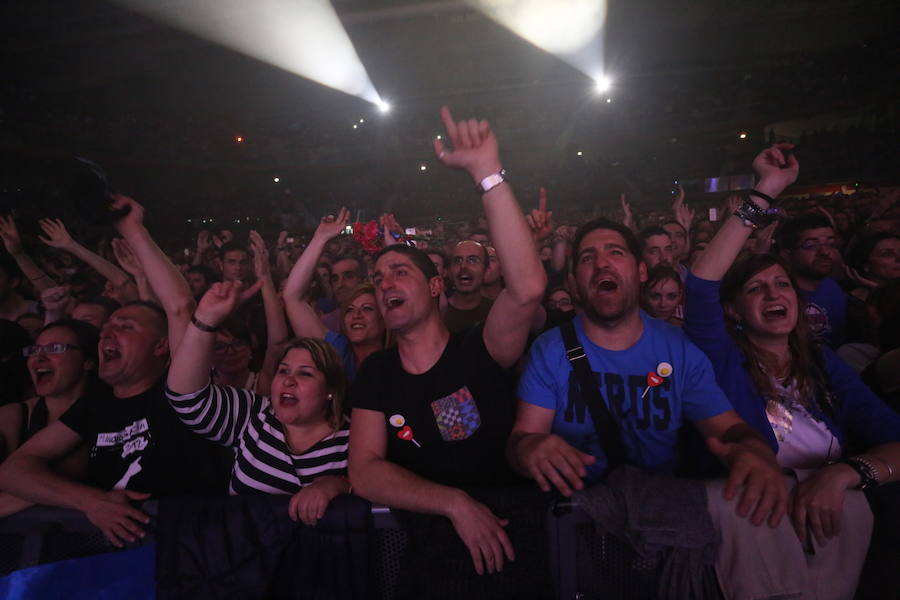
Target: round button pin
column 664, row 369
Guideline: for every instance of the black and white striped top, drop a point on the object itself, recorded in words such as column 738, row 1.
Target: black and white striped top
column 263, row 463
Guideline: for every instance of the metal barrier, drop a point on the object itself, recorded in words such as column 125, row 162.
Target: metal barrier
column 583, row 565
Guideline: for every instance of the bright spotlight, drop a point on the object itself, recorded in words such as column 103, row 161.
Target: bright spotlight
column 383, row 106
column 422, row 168
column 602, row 84
column 304, row 37
column 743, row 135
column 580, row 153
column 276, row 179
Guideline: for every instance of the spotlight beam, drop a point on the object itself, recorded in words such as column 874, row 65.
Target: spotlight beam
column 304, row 37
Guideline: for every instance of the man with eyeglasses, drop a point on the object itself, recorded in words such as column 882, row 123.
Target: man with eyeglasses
column 467, row 306
column 810, row 248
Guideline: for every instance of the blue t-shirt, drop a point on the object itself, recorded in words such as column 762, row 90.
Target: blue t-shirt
column 341, row 344
column 826, row 311
column 648, row 423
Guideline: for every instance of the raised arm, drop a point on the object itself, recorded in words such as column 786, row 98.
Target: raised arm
column 57, row 236
column 776, row 170
column 304, row 320
column 166, row 280
column 128, row 260
column 506, row 328
column 276, row 326
column 13, row 243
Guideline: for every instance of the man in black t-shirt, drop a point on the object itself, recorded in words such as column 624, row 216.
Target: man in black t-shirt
column 138, row 446
column 434, row 413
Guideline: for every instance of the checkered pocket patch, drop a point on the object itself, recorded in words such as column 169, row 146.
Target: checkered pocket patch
column 456, row 415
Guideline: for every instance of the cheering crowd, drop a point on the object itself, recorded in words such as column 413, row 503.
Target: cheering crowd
column 753, row 355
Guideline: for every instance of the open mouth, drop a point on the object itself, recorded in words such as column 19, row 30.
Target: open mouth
column 778, row 311
column 357, row 326
column 393, row 302
column 288, row 400
column 41, row 375
column 110, row 353
column 606, row 284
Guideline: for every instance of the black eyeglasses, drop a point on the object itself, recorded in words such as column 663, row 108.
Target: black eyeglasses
column 48, row 349
column 223, row 347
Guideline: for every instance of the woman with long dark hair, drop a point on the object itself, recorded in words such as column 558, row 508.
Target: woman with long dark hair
column 831, row 434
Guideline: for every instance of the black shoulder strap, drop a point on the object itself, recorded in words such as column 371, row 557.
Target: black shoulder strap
column 604, row 423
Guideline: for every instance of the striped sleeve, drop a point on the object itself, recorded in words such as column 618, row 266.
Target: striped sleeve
column 217, row 412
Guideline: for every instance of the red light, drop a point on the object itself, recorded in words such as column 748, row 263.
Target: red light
column 239, row 139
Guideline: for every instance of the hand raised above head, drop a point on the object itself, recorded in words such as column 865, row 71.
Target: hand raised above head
column 221, row 300
column 777, row 166
column 474, row 146
column 331, row 226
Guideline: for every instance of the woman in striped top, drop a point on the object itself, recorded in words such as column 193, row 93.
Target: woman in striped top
column 293, row 442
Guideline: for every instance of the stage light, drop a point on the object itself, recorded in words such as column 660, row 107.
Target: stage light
column 423, row 168
column 439, row 137
column 362, row 120
column 239, row 139
column 276, row 179
column 305, row 37
column 355, row 126
column 743, row 135
column 608, row 100
column 602, row 84
column 571, row 30
column 383, row 106
column 579, row 153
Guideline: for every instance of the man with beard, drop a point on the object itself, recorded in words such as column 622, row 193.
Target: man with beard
column 652, row 379
column 810, row 247
column 467, row 306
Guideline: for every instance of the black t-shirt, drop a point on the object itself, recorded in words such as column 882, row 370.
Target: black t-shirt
column 138, row 443
column 450, row 424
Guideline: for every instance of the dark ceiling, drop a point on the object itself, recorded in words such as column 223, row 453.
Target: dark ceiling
column 89, row 77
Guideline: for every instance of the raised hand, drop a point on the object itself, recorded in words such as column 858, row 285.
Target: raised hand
column 56, row 234
column 261, row 266
column 126, row 257
column 763, row 243
column 282, row 239
column 10, row 234
column 628, row 220
column 776, row 167
column 855, row 276
column 732, row 202
column 221, row 300
column 331, row 226
column 540, row 220
column 684, row 215
column 679, row 196
column 474, row 146
column 134, row 219
column 204, row 242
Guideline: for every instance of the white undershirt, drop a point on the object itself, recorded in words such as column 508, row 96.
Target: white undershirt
column 804, row 442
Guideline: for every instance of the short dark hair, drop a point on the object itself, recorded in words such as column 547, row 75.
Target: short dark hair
column 108, row 304
column 790, row 231
column 210, row 274
column 648, row 232
column 661, row 273
column 360, row 265
column 156, row 309
column 231, row 247
column 604, row 223
column 418, row 257
column 438, row 252
column 88, row 336
column 863, row 248
column 673, row 222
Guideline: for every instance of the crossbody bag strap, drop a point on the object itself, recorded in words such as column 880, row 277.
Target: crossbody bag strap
column 604, row 423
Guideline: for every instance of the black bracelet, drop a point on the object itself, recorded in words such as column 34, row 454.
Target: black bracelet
column 765, row 197
column 866, row 476
column 203, row 326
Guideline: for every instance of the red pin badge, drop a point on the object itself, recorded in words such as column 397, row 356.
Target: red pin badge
column 653, row 380
column 407, row 434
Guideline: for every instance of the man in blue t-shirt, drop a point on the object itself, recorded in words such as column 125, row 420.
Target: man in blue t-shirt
column 651, row 378
column 809, row 245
